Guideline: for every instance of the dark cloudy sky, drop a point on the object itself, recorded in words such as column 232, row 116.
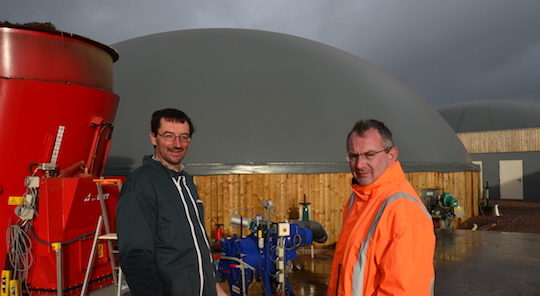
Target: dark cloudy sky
column 446, row 50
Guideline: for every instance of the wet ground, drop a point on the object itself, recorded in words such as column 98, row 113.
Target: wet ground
column 467, row 263
column 487, row 263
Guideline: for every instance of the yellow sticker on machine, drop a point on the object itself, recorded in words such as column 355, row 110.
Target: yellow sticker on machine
column 100, row 251
column 15, row 200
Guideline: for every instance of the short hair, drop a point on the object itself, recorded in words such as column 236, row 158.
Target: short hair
column 170, row 114
column 365, row 125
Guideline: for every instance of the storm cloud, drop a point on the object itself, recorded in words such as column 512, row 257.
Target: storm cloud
column 446, row 50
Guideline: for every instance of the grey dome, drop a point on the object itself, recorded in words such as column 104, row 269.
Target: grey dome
column 263, row 100
column 489, row 115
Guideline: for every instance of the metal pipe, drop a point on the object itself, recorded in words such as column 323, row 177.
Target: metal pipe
column 242, row 265
column 57, row 247
column 239, row 221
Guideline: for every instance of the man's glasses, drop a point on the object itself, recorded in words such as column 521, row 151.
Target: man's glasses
column 354, row 157
column 167, row 137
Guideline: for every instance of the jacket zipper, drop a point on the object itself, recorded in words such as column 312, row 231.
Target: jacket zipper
column 197, row 246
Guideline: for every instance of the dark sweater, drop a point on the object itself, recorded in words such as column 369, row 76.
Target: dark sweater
column 164, row 249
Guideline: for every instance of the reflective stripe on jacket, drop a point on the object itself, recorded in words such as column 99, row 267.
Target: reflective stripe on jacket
column 387, row 242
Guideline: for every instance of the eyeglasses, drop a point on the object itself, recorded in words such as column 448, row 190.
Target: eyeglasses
column 170, row 138
column 354, row 157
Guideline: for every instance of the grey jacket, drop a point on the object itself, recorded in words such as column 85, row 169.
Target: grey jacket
column 164, row 249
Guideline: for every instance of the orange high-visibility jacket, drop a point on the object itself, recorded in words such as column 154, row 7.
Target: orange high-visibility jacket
column 387, row 242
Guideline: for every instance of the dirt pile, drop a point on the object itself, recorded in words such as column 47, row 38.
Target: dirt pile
column 515, row 216
column 37, row 25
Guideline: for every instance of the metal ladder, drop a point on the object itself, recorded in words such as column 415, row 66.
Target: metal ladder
column 108, row 236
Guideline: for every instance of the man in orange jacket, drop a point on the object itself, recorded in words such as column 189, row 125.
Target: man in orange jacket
column 387, row 242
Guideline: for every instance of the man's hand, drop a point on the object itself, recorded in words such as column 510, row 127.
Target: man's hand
column 220, row 291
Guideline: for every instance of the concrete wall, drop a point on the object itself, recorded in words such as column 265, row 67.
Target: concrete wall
column 531, row 172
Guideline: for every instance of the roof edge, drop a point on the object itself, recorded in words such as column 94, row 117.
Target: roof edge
column 209, row 169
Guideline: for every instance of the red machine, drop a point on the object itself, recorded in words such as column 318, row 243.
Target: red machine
column 57, row 109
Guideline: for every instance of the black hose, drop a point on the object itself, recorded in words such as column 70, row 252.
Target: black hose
column 84, row 236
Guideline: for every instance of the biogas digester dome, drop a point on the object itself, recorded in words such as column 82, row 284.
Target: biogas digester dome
column 266, row 102
column 491, row 115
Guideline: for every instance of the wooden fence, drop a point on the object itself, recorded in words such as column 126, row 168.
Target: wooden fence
column 225, row 195
column 517, row 140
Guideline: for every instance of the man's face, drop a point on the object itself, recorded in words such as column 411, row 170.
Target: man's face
column 171, row 152
column 371, row 159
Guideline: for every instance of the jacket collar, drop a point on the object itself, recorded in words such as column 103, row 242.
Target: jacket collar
column 151, row 160
column 392, row 173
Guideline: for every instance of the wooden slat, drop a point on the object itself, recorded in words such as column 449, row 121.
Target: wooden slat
column 516, row 140
column 224, row 195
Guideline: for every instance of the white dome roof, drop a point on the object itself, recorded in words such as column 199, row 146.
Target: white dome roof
column 489, row 115
column 263, row 100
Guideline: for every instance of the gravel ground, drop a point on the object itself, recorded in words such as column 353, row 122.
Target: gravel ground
column 515, row 216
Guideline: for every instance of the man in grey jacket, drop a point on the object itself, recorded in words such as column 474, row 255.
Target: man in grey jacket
column 164, row 249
